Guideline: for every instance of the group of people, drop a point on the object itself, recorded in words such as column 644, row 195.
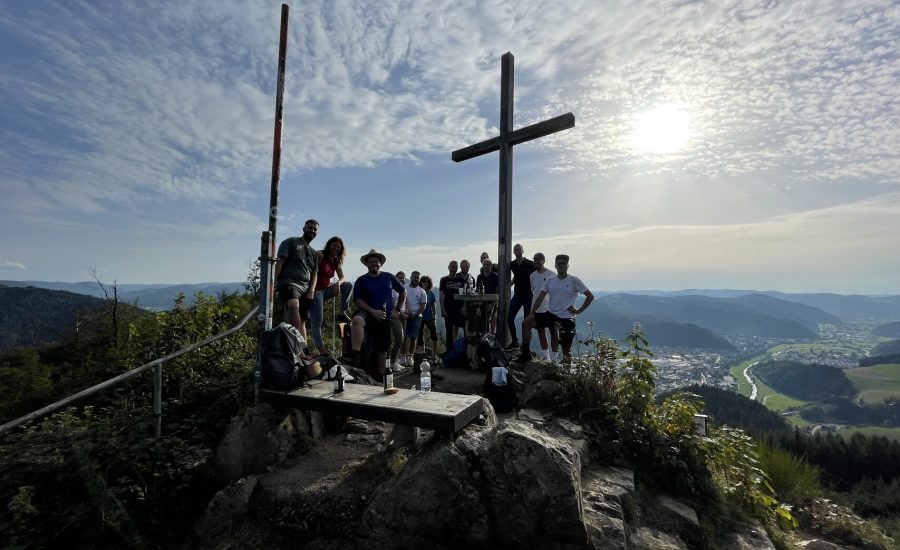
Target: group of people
column 392, row 315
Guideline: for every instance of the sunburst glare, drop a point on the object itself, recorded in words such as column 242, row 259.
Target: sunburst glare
column 662, row 130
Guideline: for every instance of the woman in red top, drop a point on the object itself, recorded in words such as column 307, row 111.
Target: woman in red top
column 331, row 262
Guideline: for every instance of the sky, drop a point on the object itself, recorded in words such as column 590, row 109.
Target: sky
column 727, row 144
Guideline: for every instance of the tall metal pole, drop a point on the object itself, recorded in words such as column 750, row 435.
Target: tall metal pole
column 267, row 256
column 504, row 232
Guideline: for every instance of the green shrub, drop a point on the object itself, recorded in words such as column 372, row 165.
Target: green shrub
column 793, row 480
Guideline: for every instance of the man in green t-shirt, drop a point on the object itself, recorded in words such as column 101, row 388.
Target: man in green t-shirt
column 295, row 275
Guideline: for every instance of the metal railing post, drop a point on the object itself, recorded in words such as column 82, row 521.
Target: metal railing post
column 157, row 400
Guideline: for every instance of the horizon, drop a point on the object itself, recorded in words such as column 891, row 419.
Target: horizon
column 716, row 146
column 612, row 291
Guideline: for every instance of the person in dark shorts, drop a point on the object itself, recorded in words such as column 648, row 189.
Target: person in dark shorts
column 372, row 296
column 562, row 291
column 450, row 309
column 428, row 316
column 296, row 275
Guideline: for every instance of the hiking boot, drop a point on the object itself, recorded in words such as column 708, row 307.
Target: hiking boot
column 523, row 358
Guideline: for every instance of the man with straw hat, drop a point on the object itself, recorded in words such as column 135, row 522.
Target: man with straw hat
column 372, row 320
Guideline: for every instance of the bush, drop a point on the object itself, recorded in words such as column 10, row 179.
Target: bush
column 793, row 480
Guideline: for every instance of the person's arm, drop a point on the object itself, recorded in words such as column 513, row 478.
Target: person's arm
column 422, row 304
column 312, row 284
column 279, row 263
column 588, row 298
column 376, row 313
column 537, row 302
column 401, row 301
column 443, row 302
column 340, row 273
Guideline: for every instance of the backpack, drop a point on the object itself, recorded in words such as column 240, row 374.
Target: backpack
column 280, row 352
column 456, row 356
column 498, row 388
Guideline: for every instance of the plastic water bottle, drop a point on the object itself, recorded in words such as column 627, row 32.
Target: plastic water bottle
column 425, row 378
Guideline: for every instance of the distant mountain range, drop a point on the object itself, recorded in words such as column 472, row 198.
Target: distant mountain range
column 156, row 297
column 849, row 307
column 686, row 318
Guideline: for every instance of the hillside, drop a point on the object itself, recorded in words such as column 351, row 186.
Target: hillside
column 888, row 330
column 724, row 316
column 45, row 315
column 727, row 408
column 804, row 381
column 616, row 324
column 150, row 296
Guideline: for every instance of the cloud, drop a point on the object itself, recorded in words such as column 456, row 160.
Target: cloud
column 12, row 266
column 830, row 249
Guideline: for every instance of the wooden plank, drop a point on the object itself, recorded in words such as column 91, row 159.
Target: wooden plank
column 443, row 412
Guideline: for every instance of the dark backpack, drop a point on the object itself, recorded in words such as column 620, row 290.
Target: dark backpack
column 280, row 352
column 501, row 395
column 456, row 356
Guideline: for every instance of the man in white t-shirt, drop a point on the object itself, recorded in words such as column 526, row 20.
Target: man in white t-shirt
column 561, row 291
column 538, row 277
column 416, row 300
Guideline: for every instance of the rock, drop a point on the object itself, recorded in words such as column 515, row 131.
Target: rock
column 510, row 487
column 226, row 508
column 533, row 486
column 357, row 426
column 570, row 429
column 433, row 502
column 360, row 376
column 616, row 484
column 751, row 537
column 543, row 394
column 488, row 418
column 680, row 510
column 818, row 544
column 647, row 538
column 258, row 439
column 365, row 439
column 532, row 415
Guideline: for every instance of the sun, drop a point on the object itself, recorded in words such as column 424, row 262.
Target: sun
column 662, row 130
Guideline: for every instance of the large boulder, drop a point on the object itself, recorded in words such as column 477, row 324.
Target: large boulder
column 258, row 439
column 228, row 507
column 510, row 487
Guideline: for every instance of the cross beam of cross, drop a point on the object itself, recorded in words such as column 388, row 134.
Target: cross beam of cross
column 504, row 143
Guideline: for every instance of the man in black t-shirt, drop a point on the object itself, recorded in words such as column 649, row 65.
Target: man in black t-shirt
column 521, row 269
column 450, row 309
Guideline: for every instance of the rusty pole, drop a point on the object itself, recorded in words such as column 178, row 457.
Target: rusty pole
column 267, row 253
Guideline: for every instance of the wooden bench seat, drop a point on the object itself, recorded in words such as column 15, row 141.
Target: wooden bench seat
column 442, row 412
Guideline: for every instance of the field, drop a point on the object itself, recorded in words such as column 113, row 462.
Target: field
column 890, row 433
column 765, row 394
column 876, row 383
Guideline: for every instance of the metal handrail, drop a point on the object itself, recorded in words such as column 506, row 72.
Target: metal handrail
column 157, row 381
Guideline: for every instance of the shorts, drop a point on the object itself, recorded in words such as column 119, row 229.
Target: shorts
column 566, row 326
column 544, row 319
column 378, row 333
column 288, row 292
column 413, row 326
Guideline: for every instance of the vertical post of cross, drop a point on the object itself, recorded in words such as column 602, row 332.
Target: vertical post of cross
column 504, row 229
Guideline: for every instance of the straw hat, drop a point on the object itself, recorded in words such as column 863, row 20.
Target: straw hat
column 372, row 252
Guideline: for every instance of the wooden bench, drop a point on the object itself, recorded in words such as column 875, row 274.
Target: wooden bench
column 443, row 412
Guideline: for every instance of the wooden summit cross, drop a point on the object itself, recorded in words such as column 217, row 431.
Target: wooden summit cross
column 504, row 143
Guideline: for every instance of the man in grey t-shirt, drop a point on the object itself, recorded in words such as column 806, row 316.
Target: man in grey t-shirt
column 295, row 275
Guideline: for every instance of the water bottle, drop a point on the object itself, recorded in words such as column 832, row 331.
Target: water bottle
column 425, row 377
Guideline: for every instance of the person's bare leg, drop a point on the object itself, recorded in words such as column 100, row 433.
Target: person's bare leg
column 542, row 336
column 292, row 315
column 357, row 333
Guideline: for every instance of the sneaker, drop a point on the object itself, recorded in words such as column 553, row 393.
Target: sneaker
column 512, row 346
column 396, row 368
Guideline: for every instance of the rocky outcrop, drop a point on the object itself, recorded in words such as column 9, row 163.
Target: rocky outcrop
column 260, row 438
